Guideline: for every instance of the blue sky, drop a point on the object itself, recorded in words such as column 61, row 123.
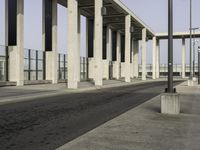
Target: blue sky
column 152, row 12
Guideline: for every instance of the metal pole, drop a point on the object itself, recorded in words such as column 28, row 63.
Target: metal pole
column 7, row 63
column 29, row 64
column 191, row 73
column 64, row 66
column 170, row 47
column 199, row 65
column 36, row 65
column 194, row 53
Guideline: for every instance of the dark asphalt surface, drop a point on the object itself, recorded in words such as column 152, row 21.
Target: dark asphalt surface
column 47, row 123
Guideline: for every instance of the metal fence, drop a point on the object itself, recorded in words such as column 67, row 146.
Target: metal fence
column 62, row 67
column 84, row 68
column 177, row 69
column 3, row 63
column 33, row 65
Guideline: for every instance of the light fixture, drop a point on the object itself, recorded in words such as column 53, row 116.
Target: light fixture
column 132, row 29
column 103, row 11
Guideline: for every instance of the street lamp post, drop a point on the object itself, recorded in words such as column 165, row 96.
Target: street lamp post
column 170, row 101
column 191, row 73
column 170, row 47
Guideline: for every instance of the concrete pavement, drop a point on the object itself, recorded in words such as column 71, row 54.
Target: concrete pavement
column 144, row 128
column 50, row 122
column 25, row 93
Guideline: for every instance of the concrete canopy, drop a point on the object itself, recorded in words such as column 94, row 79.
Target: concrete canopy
column 178, row 35
column 116, row 12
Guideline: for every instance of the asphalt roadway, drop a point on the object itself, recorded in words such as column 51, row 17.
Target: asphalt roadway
column 48, row 123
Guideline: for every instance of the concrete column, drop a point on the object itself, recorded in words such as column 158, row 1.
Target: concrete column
column 136, row 59
column 154, row 58
column 109, row 44
column 127, row 48
column 144, row 53
column 52, row 56
column 132, row 57
column 117, row 63
column 73, row 49
column 16, row 53
column 51, row 72
column 98, row 36
column 183, row 57
column 79, row 46
column 108, row 53
column 158, row 59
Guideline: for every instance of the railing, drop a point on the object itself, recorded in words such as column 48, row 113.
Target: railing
column 62, row 67
column 3, row 63
column 84, row 68
column 33, row 64
column 177, row 69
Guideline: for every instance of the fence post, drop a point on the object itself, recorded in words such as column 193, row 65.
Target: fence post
column 59, row 67
column 64, row 66
column 36, row 65
column 7, row 63
column 29, row 64
column 44, row 65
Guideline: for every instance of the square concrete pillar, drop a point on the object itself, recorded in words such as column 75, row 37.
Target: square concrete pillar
column 79, row 46
column 98, row 41
column 132, row 57
column 105, row 69
column 16, row 52
column 109, row 43
column 117, row 63
column 106, row 62
column 73, row 46
column 170, row 103
column 158, row 59
column 144, row 54
column 51, row 55
column 136, row 59
column 127, row 48
column 89, row 44
column 183, row 57
column 154, row 58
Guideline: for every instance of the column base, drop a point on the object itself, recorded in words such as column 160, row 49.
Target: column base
column 73, row 85
column 194, row 79
column 170, row 103
column 128, row 80
column 190, row 82
column 144, row 79
column 99, row 83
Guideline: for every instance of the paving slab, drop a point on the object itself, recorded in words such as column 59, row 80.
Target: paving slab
column 145, row 128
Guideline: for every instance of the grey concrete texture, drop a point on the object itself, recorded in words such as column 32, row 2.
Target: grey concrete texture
column 170, row 103
column 50, row 122
column 24, row 93
column 145, row 128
